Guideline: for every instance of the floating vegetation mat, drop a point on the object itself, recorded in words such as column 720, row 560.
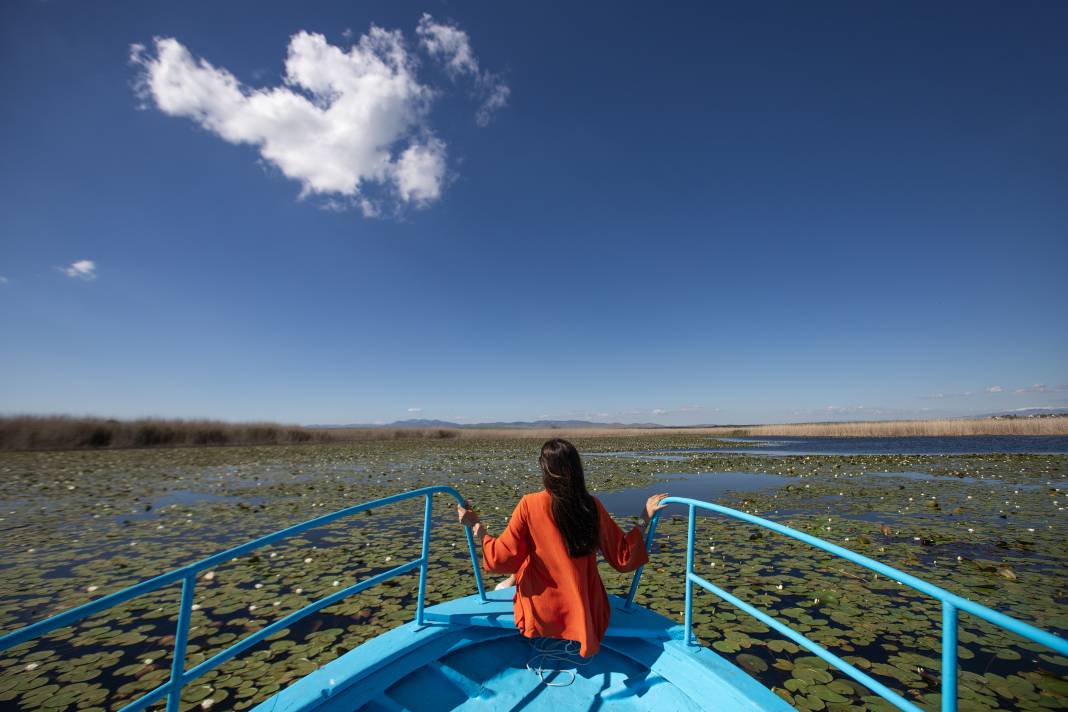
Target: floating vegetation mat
column 79, row 525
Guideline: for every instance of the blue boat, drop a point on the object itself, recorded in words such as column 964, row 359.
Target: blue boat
column 467, row 654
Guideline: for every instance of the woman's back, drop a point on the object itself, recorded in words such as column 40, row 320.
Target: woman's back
column 551, row 546
column 557, row 595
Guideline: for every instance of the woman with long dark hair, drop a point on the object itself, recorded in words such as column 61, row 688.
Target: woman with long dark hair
column 551, row 544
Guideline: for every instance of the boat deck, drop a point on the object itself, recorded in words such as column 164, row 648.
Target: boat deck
column 469, row 656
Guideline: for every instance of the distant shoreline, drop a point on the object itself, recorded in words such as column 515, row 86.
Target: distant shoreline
column 25, row 432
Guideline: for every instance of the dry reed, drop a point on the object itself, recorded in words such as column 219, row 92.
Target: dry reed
column 918, row 428
column 30, row 432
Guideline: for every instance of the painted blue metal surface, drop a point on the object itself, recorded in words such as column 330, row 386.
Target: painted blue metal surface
column 951, row 604
column 187, row 575
column 468, row 656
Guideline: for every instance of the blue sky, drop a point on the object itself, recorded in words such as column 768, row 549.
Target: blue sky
column 760, row 213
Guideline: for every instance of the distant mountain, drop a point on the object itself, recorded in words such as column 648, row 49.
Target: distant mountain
column 1027, row 413
column 517, row 424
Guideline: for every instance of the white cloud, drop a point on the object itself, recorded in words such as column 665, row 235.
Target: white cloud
column 3, row 279
column 451, row 46
column 1042, row 388
column 82, row 269
column 448, row 44
column 659, row 411
column 415, row 410
column 420, row 171
column 496, row 98
column 995, row 389
column 349, row 125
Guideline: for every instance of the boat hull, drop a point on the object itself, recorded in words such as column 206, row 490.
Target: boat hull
column 469, row 655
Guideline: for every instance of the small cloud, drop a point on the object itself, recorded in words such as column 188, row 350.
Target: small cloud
column 995, row 389
column 448, row 44
column 495, row 96
column 1034, row 388
column 3, row 279
column 451, row 46
column 82, row 269
column 415, row 410
column 659, row 411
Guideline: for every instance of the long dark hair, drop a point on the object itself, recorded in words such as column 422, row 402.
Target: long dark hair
column 574, row 510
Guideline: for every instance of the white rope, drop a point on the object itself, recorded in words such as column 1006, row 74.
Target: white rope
column 550, row 651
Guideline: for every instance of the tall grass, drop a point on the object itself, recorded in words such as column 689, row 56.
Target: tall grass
column 61, row 432
column 33, row 432
column 919, row 428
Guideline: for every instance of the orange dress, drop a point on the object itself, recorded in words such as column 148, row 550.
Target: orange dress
column 558, row 596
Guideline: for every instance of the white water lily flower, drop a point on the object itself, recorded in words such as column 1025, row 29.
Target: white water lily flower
column 196, row 607
column 90, row 589
column 259, row 585
column 308, row 560
column 779, row 587
column 389, row 558
column 147, row 661
column 209, row 576
column 336, row 583
column 252, row 607
column 206, row 704
column 31, row 666
column 300, row 591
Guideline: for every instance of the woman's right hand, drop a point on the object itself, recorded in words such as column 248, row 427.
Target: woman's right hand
column 652, row 506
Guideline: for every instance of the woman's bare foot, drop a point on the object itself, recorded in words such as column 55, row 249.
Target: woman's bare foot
column 510, row 581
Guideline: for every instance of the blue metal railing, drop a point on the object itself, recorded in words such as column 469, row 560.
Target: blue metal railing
column 187, row 575
column 951, row 604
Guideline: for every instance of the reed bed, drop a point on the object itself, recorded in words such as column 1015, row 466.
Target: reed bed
column 31, row 432
column 918, row 428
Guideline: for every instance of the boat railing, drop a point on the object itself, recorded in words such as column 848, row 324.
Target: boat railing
column 951, row 604
column 180, row 677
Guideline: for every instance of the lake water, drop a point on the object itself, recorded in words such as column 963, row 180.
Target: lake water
column 707, row 486
column 784, row 446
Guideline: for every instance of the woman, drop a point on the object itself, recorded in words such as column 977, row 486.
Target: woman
column 551, row 544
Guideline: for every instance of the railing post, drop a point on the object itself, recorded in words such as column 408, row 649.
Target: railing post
column 949, row 657
column 688, row 620
column 181, row 635
column 649, row 550
column 423, row 561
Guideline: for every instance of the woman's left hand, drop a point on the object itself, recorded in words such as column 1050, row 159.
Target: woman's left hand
column 468, row 517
